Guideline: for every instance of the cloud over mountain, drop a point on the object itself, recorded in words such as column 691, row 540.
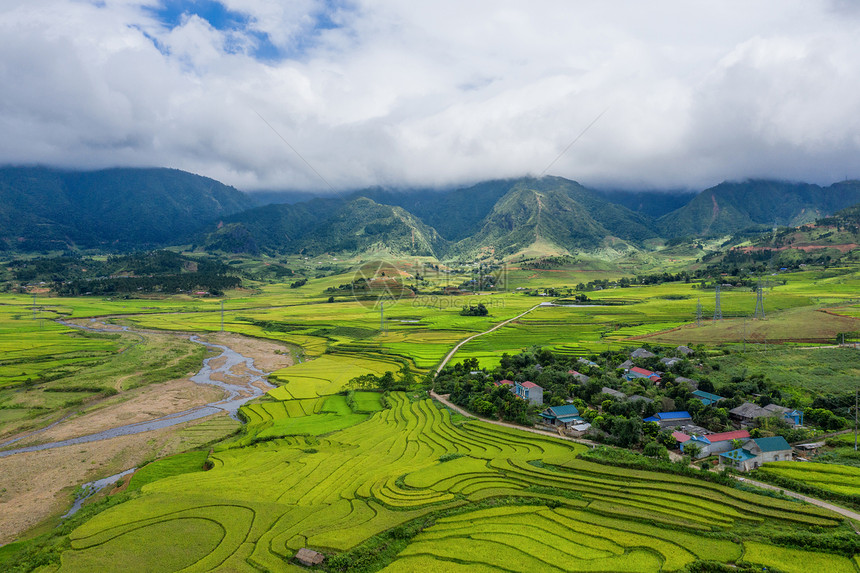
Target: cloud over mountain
column 439, row 93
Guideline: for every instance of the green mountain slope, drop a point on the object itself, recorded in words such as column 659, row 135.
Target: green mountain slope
column 732, row 207
column 115, row 209
column 327, row 226
column 553, row 214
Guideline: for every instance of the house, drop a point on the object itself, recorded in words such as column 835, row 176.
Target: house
column 793, row 417
column 670, row 419
column 680, row 437
column 626, row 365
column 579, row 377
column 756, row 452
column 565, row 416
column 587, row 362
column 635, row 397
column 747, row 412
column 508, row 383
column 642, row 353
column 693, row 384
column 707, row 398
column 716, row 443
column 613, row 393
column 669, row 362
column 637, row 372
column 529, row 391
column 685, row 350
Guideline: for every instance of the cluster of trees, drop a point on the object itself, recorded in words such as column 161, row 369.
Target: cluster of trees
column 473, row 310
column 404, row 380
column 214, row 284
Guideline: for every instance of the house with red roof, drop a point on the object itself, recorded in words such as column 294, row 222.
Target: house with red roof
column 716, row 443
column 637, row 372
column 508, row 383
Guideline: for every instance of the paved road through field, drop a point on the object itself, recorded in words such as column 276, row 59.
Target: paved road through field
column 474, row 336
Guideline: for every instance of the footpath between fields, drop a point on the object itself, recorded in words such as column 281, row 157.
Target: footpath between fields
column 814, row 501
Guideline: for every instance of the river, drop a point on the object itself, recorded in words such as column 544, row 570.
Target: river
column 236, row 397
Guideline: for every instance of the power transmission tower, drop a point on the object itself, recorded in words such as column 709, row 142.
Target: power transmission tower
column 759, row 301
column 382, row 329
column 34, row 306
column 699, row 312
column 718, row 311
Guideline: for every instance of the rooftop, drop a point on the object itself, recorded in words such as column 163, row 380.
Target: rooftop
column 566, row 410
column 774, row 444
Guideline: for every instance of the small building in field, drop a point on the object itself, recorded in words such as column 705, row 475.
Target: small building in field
column 685, row 350
column 707, row 398
column 565, row 416
column 529, row 391
column 309, row 557
column 756, row 452
column 670, row 419
column 716, row 443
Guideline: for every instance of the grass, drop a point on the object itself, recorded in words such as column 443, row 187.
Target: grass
column 174, row 465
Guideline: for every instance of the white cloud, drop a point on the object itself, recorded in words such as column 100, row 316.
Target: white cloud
column 420, row 93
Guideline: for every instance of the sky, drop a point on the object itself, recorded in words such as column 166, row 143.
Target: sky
column 342, row 94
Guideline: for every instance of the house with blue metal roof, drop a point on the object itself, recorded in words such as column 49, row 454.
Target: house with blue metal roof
column 670, row 419
column 756, row 452
column 567, row 415
column 707, row 398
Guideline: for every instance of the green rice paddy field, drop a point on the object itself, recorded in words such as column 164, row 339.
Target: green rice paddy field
column 398, row 483
column 511, row 501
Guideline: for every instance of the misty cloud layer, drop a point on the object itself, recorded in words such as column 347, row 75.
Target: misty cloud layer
column 397, row 93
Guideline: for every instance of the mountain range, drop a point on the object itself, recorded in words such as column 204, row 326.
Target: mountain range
column 44, row 209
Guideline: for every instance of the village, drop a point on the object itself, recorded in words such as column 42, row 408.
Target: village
column 643, row 402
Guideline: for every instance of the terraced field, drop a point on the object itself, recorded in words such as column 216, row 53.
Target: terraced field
column 831, row 477
column 507, row 489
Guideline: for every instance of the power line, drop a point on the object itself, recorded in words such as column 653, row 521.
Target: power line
column 323, row 179
column 718, row 311
column 569, row 145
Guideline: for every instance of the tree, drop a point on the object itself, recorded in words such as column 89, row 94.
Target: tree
column 692, row 450
column 651, row 429
column 656, row 450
